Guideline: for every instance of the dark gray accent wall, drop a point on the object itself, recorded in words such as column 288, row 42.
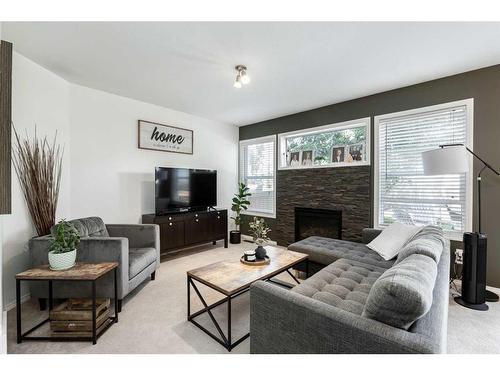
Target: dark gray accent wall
column 5, row 126
column 483, row 85
column 246, row 219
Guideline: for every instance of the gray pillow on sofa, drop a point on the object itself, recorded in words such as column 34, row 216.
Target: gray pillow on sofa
column 429, row 241
column 403, row 294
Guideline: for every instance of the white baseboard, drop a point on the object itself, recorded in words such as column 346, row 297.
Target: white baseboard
column 250, row 238
column 12, row 305
column 3, row 344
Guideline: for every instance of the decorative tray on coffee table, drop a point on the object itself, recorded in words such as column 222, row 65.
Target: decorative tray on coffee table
column 257, row 262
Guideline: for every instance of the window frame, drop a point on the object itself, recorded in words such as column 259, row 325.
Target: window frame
column 364, row 121
column 253, row 141
column 469, row 180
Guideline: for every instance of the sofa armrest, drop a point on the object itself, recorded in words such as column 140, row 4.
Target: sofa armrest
column 282, row 321
column 90, row 250
column 139, row 235
column 369, row 234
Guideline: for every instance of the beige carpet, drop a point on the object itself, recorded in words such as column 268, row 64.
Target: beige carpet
column 153, row 319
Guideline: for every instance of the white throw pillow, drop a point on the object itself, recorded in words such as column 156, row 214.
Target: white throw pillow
column 392, row 239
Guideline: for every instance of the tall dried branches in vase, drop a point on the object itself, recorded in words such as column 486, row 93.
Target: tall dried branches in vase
column 38, row 164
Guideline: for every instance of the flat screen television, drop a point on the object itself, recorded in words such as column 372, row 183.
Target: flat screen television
column 182, row 189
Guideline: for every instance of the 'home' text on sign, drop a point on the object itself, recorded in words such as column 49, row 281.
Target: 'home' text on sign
column 153, row 136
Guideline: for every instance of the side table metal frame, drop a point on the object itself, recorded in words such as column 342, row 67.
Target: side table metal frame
column 24, row 336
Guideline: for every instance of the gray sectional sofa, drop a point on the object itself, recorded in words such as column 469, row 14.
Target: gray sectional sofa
column 359, row 302
column 136, row 248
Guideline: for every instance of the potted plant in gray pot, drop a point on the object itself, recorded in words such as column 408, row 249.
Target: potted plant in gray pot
column 63, row 244
column 240, row 203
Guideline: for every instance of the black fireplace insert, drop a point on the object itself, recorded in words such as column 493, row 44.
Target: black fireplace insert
column 317, row 222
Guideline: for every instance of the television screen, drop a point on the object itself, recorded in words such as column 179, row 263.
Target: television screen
column 184, row 189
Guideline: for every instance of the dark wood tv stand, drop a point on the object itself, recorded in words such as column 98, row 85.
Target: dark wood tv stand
column 184, row 229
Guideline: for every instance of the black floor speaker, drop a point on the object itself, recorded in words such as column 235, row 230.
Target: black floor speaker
column 474, row 272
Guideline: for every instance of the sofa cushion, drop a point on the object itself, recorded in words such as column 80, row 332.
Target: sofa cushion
column 429, row 241
column 90, row 227
column 344, row 284
column 139, row 259
column 403, row 294
column 327, row 250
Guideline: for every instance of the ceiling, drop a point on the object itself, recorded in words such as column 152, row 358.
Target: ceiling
column 294, row 66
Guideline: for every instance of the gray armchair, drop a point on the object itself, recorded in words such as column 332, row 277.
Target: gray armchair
column 136, row 248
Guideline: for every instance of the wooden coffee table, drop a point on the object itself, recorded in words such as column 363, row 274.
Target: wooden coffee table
column 233, row 278
column 82, row 272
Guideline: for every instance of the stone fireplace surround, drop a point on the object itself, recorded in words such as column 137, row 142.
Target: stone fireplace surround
column 346, row 189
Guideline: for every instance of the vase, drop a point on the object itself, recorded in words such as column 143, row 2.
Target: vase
column 260, row 252
column 62, row 261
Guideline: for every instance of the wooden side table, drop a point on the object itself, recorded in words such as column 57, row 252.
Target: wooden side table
column 83, row 272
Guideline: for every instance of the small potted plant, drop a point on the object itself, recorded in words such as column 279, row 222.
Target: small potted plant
column 259, row 231
column 63, row 244
column 240, row 203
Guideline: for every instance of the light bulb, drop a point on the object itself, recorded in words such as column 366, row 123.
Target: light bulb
column 241, row 76
column 245, row 78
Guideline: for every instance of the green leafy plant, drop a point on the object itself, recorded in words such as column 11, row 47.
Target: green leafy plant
column 259, row 230
column 65, row 238
column 240, row 203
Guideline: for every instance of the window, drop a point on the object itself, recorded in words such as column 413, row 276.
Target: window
column 402, row 192
column 257, row 171
column 335, row 145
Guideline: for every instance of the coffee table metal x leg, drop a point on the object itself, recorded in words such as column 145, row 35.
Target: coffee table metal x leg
column 224, row 340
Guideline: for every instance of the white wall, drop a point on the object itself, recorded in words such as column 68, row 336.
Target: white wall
column 104, row 173
column 42, row 98
column 114, row 179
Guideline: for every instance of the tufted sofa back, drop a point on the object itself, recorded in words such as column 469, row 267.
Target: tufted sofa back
column 89, row 227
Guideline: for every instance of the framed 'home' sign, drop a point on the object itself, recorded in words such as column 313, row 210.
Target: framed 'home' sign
column 159, row 137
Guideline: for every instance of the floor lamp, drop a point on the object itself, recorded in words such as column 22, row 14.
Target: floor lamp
column 453, row 159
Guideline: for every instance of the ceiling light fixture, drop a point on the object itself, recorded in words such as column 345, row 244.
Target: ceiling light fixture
column 241, row 77
column 237, row 82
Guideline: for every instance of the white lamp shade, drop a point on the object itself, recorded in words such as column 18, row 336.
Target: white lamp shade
column 446, row 160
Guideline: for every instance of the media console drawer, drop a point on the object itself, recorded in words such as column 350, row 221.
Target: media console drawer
column 172, row 235
column 183, row 229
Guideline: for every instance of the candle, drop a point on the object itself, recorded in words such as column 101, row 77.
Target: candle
column 249, row 255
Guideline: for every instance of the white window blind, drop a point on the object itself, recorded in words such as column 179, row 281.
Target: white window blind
column 257, row 171
column 405, row 194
